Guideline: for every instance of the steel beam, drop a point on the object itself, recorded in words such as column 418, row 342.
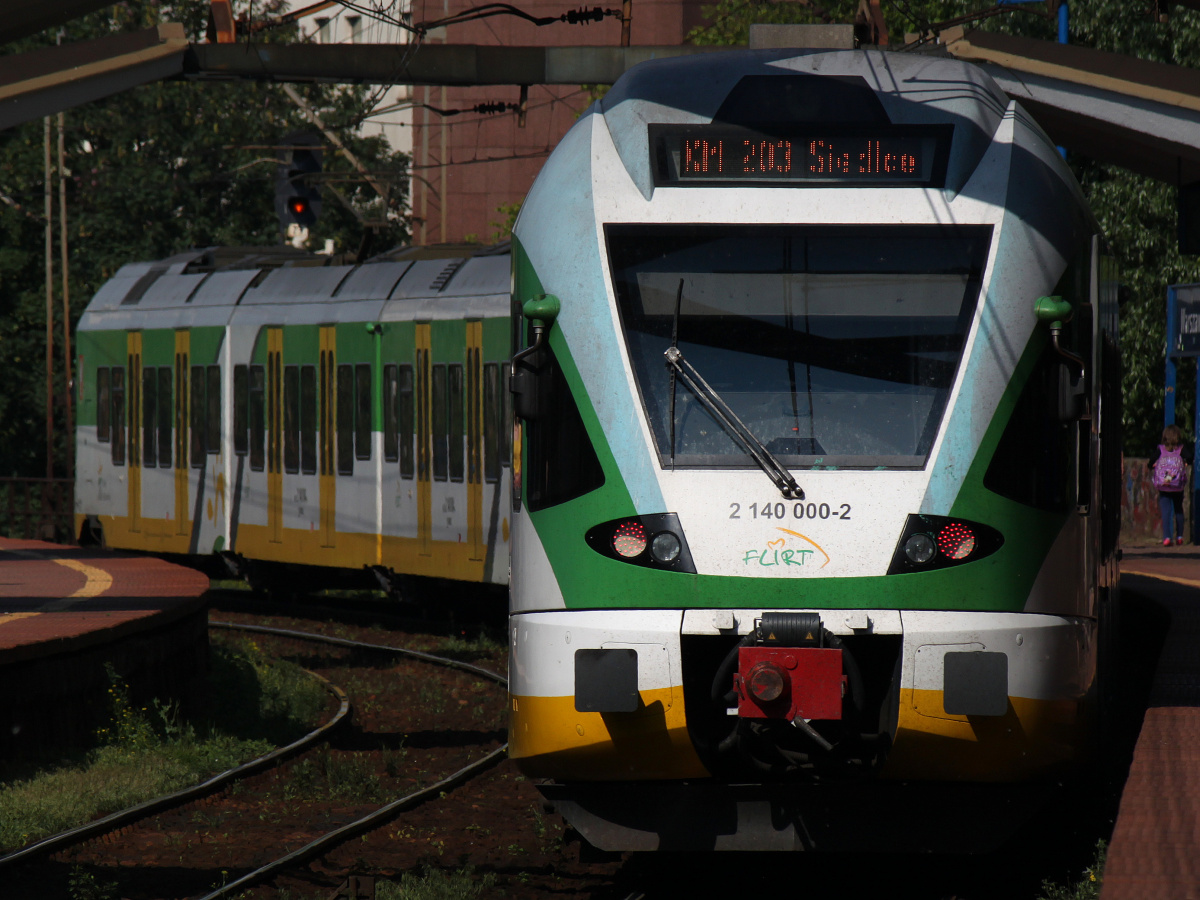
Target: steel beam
column 46, row 81
column 432, row 64
column 1140, row 115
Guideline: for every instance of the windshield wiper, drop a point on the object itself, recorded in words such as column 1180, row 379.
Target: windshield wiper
column 720, row 410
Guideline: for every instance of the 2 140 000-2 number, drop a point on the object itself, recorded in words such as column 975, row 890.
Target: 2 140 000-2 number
column 780, row 510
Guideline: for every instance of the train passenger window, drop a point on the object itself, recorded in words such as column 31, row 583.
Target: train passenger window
column 149, row 416
column 180, row 416
column 274, row 423
column 103, row 425
column 454, row 410
column 197, row 418
column 257, row 417
column 164, row 416
column 391, row 436
column 441, row 438
column 291, row 418
column 405, row 411
column 362, row 411
column 308, row 420
column 492, row 416
column 562, row 461
column 1033, row 457
column 474, row 438
column 241, row 411
column 345, row 420
column 212, row 430
column 118, row 416
column 135, row 404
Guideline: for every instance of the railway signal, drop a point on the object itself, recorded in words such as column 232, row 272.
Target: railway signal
column 297, row 188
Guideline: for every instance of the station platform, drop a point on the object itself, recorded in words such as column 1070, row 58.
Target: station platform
column 1155, row 847
column 68, row 615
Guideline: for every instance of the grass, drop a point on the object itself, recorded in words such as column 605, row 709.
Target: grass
column 144, row 752
column 437, row 884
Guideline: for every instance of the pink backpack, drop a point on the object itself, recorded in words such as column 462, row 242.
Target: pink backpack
column 1169, row 474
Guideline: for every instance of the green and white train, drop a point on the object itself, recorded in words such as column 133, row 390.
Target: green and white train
column 818, row 392
column 298, row 419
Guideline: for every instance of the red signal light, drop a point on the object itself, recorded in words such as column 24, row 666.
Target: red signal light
column 956, row 541
column 298, row 206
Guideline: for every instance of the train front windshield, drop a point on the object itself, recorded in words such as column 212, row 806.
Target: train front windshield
column 834, row 346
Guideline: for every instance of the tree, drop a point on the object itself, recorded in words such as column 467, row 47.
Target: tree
column 153, row 171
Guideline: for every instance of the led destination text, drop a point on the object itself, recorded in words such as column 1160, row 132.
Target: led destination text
column 901, row 155
column 776, row 157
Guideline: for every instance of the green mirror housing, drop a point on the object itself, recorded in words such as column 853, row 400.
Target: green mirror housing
column 1053, row 311
column 542, row 310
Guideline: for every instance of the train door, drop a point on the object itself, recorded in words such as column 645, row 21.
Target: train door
column 134, row 456
column 182, row 349
column 424, row 441
column 327, row 437
column 275, row 434
column 474, row 408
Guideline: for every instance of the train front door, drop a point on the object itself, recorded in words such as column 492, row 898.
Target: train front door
column 275, row 434
column 134, row 457
column 328, row 436
column 474, row 406
column 424, row 441
column 182, row 419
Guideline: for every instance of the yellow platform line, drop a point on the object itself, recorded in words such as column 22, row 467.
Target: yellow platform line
column 1189, row 582
column 98, row 581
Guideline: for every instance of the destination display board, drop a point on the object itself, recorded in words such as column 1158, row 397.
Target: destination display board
column 869, row 156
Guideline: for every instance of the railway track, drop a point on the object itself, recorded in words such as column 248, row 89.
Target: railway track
column 129, row 828
column 263, row 832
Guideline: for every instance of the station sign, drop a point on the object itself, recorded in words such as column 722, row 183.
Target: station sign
column 1183, row 320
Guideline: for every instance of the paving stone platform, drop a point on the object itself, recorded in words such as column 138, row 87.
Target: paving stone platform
column 68, row 612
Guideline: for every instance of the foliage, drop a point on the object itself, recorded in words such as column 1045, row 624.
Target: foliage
column 1136, row 213
column 148, row 751
column 153, row 171
column 1087, row 888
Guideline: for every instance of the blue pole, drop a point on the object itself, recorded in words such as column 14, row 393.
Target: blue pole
column 1195, row 486
column 1169, row 385
column 1064, row 19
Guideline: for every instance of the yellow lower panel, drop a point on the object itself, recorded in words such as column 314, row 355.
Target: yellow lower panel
column 349, row 551
column 1032, row 738
column 152, row 536
column 549, row 739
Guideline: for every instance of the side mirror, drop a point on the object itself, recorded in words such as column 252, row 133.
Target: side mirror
column 1070, row 389
column 1070, row 397
column 531, row 382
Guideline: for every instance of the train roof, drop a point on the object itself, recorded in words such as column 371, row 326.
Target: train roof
column 205, row 286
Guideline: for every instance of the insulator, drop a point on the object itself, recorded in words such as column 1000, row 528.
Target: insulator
column 584, row 15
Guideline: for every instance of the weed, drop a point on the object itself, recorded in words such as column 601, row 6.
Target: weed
column 484, row 645
column 438, row 884
column 344, row 776
column 1087, row 888
column 83, row 885
column 147, row 751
